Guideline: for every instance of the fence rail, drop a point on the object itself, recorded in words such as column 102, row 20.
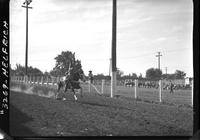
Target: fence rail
column 155, row 90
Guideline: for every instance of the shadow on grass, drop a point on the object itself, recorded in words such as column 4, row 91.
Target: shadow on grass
column 17, row 123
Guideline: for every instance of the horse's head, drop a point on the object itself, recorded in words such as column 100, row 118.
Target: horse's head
column 80, row 75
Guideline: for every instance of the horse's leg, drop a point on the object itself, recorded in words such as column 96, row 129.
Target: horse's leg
column 75, row 98
column 58, row 87
column 66, row 86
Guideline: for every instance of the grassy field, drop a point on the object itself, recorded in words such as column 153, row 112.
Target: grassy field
column 94, row 115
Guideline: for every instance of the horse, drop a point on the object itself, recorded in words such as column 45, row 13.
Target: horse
column 71, row 83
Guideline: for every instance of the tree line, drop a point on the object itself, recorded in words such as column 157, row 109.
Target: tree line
column 67, row 59
column 152, row 74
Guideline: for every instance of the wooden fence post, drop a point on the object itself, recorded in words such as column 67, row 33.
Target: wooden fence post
column 47, row 79
column 136, row 85
column 38, row 80
column 102, row 86
column 160, row 91
column 42, row 80
column 34, row 79
column 29, row 79
column 89, row 86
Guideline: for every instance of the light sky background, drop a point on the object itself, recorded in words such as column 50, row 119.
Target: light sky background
column 144, row 27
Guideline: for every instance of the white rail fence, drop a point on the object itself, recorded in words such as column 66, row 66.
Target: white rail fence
column 40, row 80
column 134, row 88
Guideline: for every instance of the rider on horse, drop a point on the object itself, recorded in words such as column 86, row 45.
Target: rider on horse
column 71, row 79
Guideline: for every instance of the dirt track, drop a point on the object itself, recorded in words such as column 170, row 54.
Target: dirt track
column 32, row 115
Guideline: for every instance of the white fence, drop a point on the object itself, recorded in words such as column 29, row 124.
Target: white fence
column 40, row 80
column 134, row 88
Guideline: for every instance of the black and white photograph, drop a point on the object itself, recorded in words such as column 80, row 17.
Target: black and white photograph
column 101, row 68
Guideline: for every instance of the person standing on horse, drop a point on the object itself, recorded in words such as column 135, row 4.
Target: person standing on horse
column 91, row 77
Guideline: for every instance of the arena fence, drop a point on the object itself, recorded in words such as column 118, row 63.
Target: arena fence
column 158, row 91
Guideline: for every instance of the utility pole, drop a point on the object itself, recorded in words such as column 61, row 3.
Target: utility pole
column 25, row 5
column 159, row 54
column 110, row 65
column 113, row 50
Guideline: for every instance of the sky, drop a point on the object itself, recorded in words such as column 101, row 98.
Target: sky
column 144, row 27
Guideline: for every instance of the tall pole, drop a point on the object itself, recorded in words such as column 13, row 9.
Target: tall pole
column 113, row 51
column 26, row 59
column 26, row 3
column 159, row 54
